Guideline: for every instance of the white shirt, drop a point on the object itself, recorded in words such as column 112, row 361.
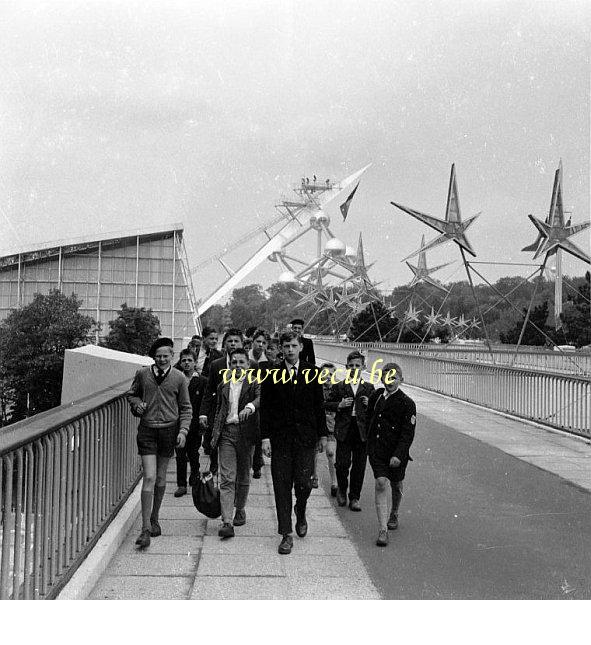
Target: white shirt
column 201, row 359
column 156, row 370
column 354, row 387
column 290, row 368
column 260, row 359
column 235, row 389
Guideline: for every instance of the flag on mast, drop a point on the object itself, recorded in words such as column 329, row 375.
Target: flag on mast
column 347, row 203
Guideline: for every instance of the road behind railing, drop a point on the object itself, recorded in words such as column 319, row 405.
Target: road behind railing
column 64, row 474
column 557, row 400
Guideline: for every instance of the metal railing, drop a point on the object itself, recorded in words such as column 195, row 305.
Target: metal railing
column 64, row 474
column 539, row 358
column 557, row 400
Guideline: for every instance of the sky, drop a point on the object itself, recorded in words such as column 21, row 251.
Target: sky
column 120, row 115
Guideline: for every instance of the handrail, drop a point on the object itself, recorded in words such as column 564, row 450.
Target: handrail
column 64, row 474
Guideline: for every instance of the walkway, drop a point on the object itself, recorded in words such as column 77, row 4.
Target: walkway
column 189, row 561
column 493, row 508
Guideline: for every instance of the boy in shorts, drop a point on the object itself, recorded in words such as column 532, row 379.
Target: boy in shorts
column 391, row 430
column 160, row 396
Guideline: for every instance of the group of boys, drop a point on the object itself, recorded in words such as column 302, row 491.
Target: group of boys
column 269, row 398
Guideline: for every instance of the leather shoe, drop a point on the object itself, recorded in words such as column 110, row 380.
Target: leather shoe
column 239, row 517
column 143, row 540
column 382, row 538
column 180, row 491
column 301, row 526
column 286, row 545
column 155, row 530
column 341, row 498
column 226, row 531
column 354, row 505
column 393, row 523
column 333, row 491
column 256, row 474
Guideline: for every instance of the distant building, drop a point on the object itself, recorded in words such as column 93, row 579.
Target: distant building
column 145, row 268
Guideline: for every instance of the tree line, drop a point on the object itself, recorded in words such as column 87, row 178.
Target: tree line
column 33, row 338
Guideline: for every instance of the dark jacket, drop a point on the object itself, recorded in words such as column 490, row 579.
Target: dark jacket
column 216, row 376
column 213, row 355
column 293, row 410
column 391, row 427
column 196, row 386
column 343, row 416
column 249, row 429
column 307, row 353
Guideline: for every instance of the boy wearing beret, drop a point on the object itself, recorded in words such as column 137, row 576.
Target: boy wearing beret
column 160, row 397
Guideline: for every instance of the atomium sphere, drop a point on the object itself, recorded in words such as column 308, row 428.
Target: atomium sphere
column 286, row 276
column 334, row 247
column 322, row 218
column 350, row 252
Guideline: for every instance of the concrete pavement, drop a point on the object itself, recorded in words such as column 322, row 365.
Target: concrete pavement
column 483, row 517
column 189, row 560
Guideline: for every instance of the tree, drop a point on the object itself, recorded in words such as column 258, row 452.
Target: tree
column 576, row 316
column 213, row 317
column 532, row 336
column 247, row 306
column 33, row 340
column 133, row 331
column 364, row 329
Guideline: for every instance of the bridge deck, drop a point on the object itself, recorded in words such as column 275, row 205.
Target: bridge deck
column 476, row 523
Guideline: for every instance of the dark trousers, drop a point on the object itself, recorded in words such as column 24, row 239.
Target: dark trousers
column 213, row 454
column 190, row 454
column 257, row 460
column 351, row 454
column 291, row 467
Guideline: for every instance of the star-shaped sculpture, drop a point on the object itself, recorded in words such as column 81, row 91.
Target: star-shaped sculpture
column 422, row 273
column 316, row 293
column 452, row 227
column 474, row 324
column 329, row 302
column 412, row 314
column 343, row 298
column 432, row 319
column 553, row 233
column 448, row 321
column 358, row 268
column 462, row 322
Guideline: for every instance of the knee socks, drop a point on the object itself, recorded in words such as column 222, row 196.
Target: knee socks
column 158, row 497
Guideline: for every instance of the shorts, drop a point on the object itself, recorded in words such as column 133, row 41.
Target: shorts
column 380, row 464
column 157, row 441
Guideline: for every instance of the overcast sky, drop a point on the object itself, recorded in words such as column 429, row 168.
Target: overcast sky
column 128, row 114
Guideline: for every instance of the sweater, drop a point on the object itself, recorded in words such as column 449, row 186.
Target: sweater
column 168, row 403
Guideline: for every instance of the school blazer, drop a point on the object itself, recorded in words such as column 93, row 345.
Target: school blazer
column 216, row 376
column 343, row 416
column 249, row 429
column 293, row 411
column 391, row 427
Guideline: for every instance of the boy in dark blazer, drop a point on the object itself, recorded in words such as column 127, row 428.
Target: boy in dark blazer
column 190, row 452
column 235, row 433
column 349, row 399
column 307, row 354
column 232, row 340
column 391, row 431
column 293, row 423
